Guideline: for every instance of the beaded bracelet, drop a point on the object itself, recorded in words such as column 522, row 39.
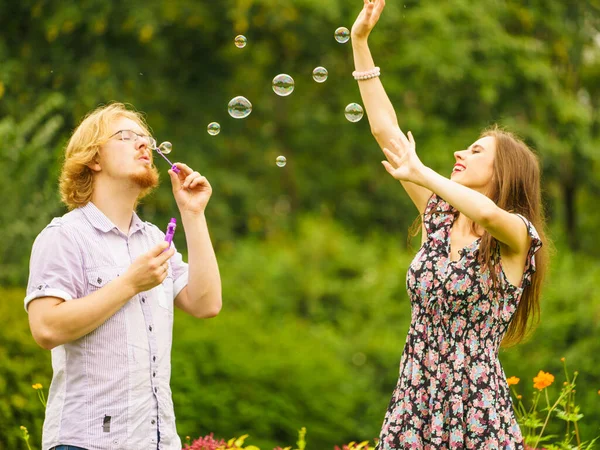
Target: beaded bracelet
column 368, row 74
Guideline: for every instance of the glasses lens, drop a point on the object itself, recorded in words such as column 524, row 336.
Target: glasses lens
column 151, row 142
column 127, row 135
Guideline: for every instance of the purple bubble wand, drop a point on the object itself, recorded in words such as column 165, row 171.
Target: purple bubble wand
column 167, row 145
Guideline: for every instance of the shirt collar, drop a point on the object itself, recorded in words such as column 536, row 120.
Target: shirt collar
column 99, row 220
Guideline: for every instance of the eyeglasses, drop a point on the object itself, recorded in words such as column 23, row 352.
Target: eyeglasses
column 130, row 135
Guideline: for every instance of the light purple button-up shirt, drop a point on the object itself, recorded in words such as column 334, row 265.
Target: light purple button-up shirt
column 110, row 388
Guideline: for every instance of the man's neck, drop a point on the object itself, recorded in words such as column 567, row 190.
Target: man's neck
column 116, row 203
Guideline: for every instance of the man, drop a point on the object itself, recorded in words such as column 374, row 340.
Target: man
column 102, row 287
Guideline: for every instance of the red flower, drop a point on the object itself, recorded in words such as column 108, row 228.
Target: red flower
column 205, row 443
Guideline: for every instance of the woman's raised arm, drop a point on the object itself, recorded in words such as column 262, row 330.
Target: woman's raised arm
column 380, row 112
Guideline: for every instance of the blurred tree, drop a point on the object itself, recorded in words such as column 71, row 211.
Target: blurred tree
column 451, row 69
column 28, row 182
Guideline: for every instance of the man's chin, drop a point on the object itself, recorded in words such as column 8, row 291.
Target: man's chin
column 146, row 180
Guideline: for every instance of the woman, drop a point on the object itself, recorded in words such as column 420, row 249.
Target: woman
column 474, row 284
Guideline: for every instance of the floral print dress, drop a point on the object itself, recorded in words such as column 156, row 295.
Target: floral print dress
column 452, row 391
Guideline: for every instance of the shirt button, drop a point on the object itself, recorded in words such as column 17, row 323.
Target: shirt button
column 154, row 358
column 99, row 280
column 154, row 374
column 150, row 327
column 153, row 422
column 143, row 299
column 156, row 389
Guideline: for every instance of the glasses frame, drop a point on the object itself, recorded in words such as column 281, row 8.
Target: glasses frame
column 149, row 140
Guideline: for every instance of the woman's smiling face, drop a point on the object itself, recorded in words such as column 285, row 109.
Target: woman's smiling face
column 474, row 167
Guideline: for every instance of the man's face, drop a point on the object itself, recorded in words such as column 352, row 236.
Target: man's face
column 128, row 157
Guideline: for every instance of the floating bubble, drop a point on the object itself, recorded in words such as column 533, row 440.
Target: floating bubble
column 240, row 41
column 283, row 85
column 359, row 359
column 320, row 74
column 342, row 35
column 165, row 147
column 281, row 161
column 213, row 128
column 354, row 112
column 239, row 107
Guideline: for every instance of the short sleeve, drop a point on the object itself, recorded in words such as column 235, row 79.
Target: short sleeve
column 55, row 267
column 437, row 214
column 536, row 244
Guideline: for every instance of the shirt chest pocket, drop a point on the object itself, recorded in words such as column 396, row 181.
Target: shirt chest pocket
column 99, row 277
column 164, row 291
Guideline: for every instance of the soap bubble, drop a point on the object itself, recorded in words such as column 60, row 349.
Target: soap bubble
column 342, row 35
column 165, row 147
column 354, row 112
column 281, row 161
column 213, row 128
column 358, row 359
column 283, row 85
column 320, row 74
column 240, row 41
column 239, row 107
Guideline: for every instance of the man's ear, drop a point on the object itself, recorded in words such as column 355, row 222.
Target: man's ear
column 94, row 165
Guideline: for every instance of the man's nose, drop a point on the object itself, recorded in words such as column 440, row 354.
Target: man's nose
column 142, row 144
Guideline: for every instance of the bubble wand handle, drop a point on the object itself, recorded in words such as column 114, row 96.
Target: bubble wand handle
column 170, row 231
column 173, row 166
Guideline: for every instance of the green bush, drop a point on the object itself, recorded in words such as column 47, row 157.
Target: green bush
column 22, row 364
column 311, row 332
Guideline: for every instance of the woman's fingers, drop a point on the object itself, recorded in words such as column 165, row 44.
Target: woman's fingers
column 404, row 140
column 368, row 11
column 388, row 167
column 411, row 139
column 399, row 147
column 378, row 7
column 392, row 157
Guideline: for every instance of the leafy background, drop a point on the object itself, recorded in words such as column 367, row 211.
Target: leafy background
column 313, row 256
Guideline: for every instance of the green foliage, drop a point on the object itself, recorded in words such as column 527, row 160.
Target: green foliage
column 311, row 255
column 301, row 340
column 22, row 364
column 534, row 421
column 450, row 68
column 29, row 170
column 311, row 332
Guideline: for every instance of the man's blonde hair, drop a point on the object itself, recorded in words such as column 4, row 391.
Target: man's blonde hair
column 76, row 182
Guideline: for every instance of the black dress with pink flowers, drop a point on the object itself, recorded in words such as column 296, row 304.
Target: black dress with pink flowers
column 452, row 391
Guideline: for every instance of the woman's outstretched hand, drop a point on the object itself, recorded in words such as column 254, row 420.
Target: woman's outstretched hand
column 367, row 19
column 406, row 164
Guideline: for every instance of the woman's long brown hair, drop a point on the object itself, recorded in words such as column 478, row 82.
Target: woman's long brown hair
column 516, row 187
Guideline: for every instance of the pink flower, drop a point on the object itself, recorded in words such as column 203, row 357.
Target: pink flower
column 205, row 443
